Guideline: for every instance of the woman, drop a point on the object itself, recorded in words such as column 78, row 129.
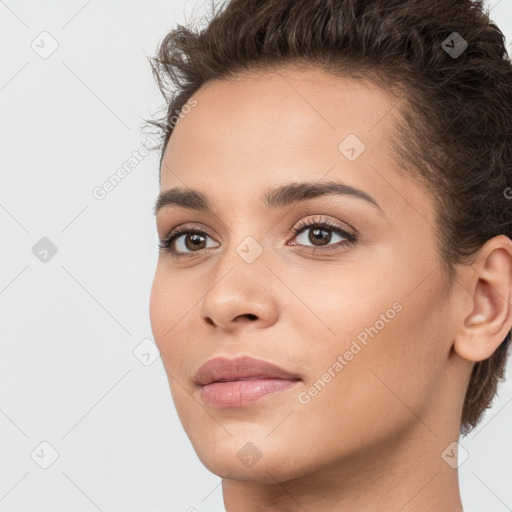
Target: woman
column 332, row 300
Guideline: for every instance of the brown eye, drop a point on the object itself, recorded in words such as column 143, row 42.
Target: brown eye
column 314, row 234
column 185, row 242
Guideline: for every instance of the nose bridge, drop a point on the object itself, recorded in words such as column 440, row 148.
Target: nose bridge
column 246, row 240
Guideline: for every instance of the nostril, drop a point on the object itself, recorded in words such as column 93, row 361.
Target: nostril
column 249, row 316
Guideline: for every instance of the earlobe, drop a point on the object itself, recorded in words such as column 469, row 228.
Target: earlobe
column 489, row 283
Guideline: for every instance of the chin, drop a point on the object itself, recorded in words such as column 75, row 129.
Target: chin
column 243, row 460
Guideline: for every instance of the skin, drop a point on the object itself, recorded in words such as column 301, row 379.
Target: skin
column 373, row 437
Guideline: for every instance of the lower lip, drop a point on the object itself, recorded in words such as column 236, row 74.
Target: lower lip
column 242, row 392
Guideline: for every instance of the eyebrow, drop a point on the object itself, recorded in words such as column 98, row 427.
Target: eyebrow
column 274, row 198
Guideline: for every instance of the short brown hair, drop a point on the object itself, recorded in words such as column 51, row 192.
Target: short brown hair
column 455, row 133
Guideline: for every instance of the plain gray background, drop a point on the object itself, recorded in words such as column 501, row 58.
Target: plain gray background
column 79, row 370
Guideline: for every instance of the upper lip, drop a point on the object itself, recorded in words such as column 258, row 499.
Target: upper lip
column 240, row 368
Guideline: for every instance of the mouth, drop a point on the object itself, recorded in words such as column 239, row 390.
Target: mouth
column 243, row 392
column 242, row 381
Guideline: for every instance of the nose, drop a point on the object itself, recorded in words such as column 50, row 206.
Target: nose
column 239, row 301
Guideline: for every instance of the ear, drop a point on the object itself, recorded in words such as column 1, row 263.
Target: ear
column 487, row 305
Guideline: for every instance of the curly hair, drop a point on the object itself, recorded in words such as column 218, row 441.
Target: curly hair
column 445, row 62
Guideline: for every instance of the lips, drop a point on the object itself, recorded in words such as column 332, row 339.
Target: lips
column 241, row 382
column 221, row 369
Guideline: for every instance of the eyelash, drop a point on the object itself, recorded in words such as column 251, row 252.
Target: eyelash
column 165, row 245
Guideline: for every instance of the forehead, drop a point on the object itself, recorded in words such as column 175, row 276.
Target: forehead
column 303, row 106
column 262, row 129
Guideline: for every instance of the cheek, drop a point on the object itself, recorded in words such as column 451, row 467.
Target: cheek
column 392, row 358
column 173, row 317
column 165, row 310
column 368, row 396
column 158, row 304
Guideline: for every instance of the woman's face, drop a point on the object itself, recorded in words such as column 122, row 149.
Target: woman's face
column 366, row 324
